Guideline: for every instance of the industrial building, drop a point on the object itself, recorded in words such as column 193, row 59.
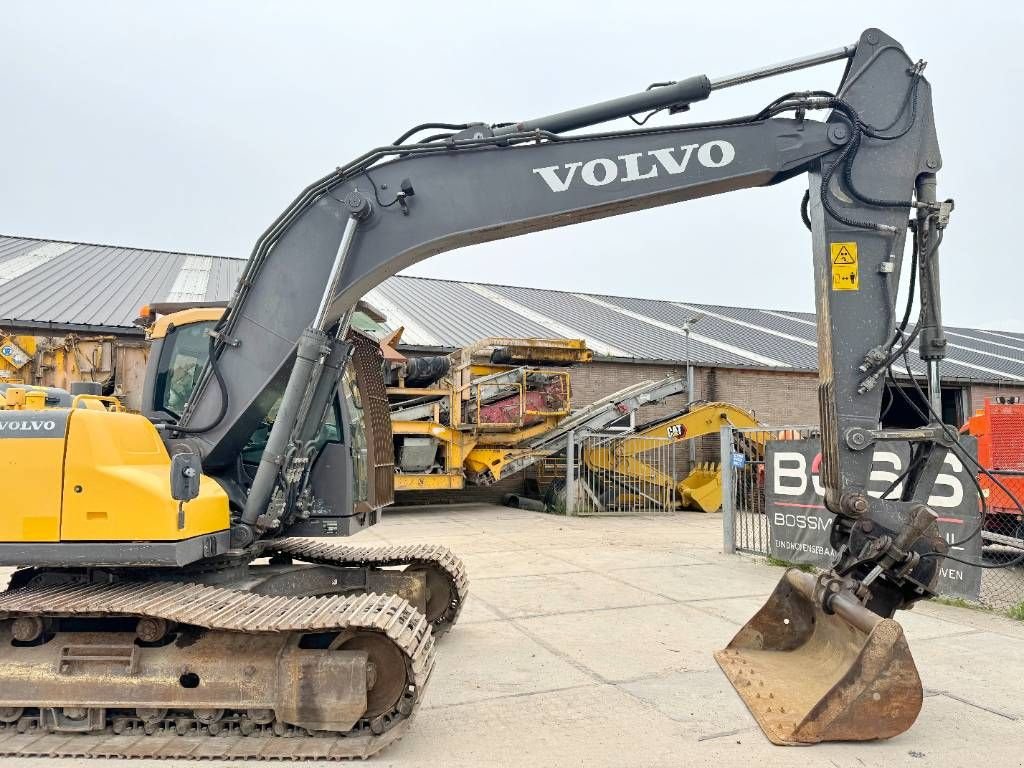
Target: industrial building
column 82, row 299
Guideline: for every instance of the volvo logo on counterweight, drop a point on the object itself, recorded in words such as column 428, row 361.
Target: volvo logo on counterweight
column 24, row 424
column 28, row 426
column 637, row 166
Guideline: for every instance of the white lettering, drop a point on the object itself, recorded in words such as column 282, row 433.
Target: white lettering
column 599, row 171
column 610, row 172
column 27, row 426
column 705, row 158
column 955, row 574
column 955, row 497
column 550, row 176
column 792, row 465
column 633, row 168
column 819, row 489
column 669, row 163
column 804, row 522
column 885, row 479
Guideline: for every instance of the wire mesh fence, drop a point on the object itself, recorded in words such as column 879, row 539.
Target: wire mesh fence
column 994, row 538
column 999, row 429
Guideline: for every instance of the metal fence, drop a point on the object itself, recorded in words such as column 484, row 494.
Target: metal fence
column 746, row 527
column 1002, row 537
column 613, row 475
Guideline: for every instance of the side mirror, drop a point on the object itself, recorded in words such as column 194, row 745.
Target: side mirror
column 185, row 473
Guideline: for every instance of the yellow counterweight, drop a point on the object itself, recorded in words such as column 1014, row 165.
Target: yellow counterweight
column 96, row 475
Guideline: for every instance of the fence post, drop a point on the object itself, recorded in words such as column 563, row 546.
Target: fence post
column 728, row 495
column 570, row 473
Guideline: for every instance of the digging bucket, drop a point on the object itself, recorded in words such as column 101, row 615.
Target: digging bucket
column 809, row 676
column 702, row 488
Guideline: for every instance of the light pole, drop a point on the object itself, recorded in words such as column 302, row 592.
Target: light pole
column 687, row 325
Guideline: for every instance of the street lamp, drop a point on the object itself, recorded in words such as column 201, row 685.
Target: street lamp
column 687, row 325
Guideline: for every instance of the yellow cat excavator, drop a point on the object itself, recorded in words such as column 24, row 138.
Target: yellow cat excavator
column 627, row 479
column 168, row 600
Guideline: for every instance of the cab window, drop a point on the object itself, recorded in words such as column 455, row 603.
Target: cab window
column 182, row 359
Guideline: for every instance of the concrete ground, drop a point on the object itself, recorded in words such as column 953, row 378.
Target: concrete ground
column 588, row 642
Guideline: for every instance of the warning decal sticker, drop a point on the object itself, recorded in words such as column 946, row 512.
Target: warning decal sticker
column 845, row 274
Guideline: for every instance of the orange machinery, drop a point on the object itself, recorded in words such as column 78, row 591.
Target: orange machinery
column 999, row 427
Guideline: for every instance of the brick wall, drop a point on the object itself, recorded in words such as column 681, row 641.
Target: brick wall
column 471, row 493
column 978, row 393
column 776, row 398
column 596, row 380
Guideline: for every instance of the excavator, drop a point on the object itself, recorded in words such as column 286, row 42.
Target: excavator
column 627, row 478
column 178, row 589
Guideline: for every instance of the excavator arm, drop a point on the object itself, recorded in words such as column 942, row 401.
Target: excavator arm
column 696, row 420
column 349, row 233
column 871, row 162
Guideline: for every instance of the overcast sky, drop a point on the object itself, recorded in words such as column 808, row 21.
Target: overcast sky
column 189, row 126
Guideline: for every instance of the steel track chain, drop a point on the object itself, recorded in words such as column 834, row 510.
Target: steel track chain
column 440, row 558
column 220, row 609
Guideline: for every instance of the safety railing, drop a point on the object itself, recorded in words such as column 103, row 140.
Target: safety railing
column 520, row 398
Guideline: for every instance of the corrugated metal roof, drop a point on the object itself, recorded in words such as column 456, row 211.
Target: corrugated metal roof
column 101, row 287
column 648, row 329
column 76, row 285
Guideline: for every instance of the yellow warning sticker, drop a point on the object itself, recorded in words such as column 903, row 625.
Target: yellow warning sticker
column 845, row 276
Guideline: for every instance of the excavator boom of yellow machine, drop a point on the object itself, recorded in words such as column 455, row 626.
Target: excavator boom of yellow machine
column 701, row 489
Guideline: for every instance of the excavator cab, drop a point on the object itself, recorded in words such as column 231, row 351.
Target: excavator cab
column 179, row 349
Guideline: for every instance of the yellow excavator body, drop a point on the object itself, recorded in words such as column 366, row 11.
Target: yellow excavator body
column 117, row 484
column 113, row 482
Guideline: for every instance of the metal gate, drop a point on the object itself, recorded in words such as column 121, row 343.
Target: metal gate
column 745, row 527
column 611, row 481
column 608, row 476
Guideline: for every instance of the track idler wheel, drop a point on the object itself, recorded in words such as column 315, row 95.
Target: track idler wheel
column 26, row 629
column 11, row 714
column 441, row 597
column 387, row 675
column 151, row 717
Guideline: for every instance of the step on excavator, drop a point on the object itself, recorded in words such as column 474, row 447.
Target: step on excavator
column 168, row 599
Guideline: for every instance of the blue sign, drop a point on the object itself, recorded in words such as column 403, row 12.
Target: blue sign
column 739, row 461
